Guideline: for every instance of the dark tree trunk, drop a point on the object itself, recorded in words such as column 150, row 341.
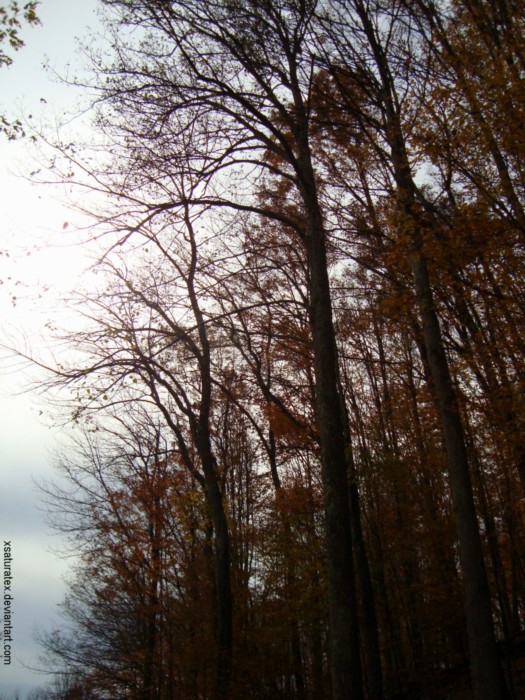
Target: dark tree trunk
column 152, row 680
column 344, row 631
column 372, row 654
column 221, row 561
column 291, row 578
column 374, row 673
column 487, row 677
column 345, row 657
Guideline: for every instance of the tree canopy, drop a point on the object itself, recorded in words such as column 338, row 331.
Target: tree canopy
column 301, row 389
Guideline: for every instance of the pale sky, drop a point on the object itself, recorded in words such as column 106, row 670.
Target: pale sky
column 31, row 225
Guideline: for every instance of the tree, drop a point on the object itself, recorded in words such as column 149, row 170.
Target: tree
column 306, row 316
column 240, row 103
column 141, row 340
column 416, row 220
column 11, row 18
column 139, row 522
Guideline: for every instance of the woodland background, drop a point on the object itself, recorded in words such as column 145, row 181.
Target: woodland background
column 299, row 468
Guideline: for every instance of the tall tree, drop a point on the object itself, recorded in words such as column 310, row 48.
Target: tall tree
column 151, row 343
column 384, row 47
column 235, row 81
column 312, row 227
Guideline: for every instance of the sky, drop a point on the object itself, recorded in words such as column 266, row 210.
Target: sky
column 36, row 267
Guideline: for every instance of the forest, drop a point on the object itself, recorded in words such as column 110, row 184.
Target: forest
column 298, row 470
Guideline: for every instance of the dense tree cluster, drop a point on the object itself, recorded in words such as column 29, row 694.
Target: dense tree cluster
column 302, row 474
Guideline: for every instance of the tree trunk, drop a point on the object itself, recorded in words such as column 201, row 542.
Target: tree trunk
column 291, row 579
column 344, row 632
column 374, row 673
column 371, row 648
column 221, row 560
column 487, row 677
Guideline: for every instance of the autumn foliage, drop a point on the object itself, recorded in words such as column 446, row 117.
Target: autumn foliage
column 316, row 277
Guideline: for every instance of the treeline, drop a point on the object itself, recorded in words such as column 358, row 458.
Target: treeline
column 300, row 392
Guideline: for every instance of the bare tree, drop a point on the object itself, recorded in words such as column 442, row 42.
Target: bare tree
column 233, row 83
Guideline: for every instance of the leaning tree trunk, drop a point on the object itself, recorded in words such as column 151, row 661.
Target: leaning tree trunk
column 487, row 677
column 488, row 681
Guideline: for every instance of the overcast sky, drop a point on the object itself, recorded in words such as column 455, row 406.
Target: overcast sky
column 32, row 235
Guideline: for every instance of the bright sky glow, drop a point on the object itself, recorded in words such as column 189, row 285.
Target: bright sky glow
column 38, row 264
